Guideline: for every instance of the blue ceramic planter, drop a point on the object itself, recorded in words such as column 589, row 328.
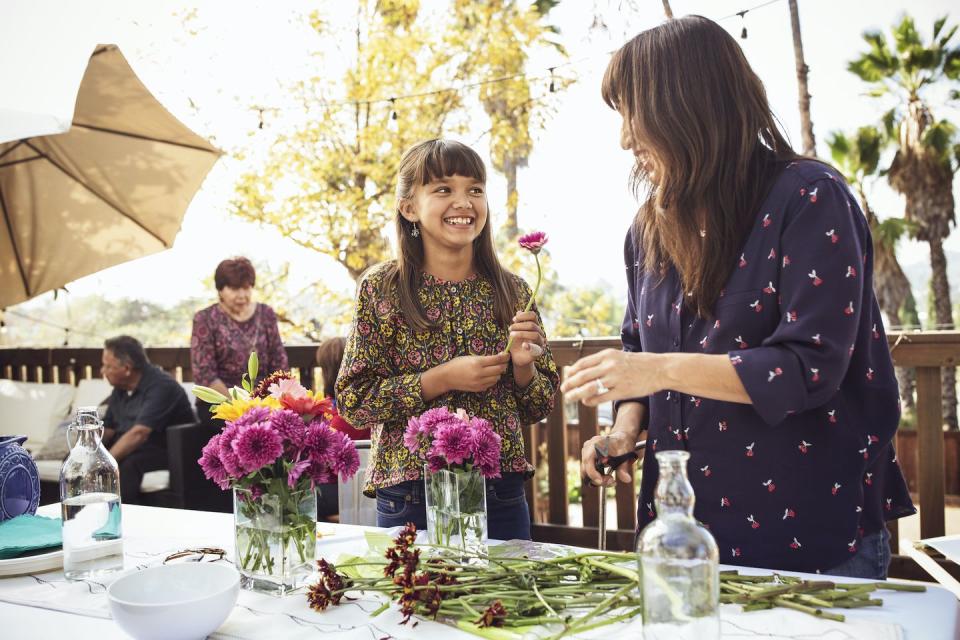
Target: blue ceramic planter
column 19, row 479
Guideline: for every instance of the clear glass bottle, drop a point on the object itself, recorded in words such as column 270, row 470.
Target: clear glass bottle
column 679, row 562
column 90, row 502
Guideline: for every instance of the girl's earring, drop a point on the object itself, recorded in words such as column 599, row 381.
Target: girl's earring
column 414, row 231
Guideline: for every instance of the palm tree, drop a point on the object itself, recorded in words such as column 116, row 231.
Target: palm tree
column 806, row 124
column 858, row 157
column 927, row 149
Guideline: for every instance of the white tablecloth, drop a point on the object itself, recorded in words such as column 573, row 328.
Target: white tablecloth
column 45, row 606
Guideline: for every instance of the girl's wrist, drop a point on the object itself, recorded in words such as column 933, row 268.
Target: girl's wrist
column 524, row 375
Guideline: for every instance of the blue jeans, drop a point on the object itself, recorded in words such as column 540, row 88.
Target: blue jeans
column 871, row 561
column 508, row 516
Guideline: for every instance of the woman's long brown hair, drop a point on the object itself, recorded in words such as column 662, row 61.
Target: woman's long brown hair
column 692, row 102
column 420, row 165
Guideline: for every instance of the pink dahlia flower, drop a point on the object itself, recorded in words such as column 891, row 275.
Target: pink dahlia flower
column 211, row 464
column 533, row 242
column 257, row 446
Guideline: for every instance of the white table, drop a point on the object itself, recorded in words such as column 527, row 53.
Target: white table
column 151, row 533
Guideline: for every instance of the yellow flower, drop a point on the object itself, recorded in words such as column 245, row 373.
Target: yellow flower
column 233, row 409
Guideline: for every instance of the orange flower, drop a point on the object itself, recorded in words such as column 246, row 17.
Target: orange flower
column 308, row 406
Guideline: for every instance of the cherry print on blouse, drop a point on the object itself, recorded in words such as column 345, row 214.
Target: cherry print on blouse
column 724, row 502
column 769, row 288
column 772, row 255
column 868, row 479
column 716, row 324
column 832, row 234
column 791, row 316
column 766, row 220
column 814, row 374
column 743, row 260
column 789, row 513
column 756, row 306
column 817, row 280
column 703, row 342
column 735, row 360
column 740, row 342
column 786, row 261
column 836, row 488
column 849, row 309
column 889, row 504
column 863, row 452
column 816, row 339
column 770, row 485
column 650, row 510
column 706, row 471
column 696, row 401
column 735, row 552
column 813, row 195
column 795, row 544
column 749, row 449
column 832, row 415
column 722, row 425
column 753, row 522
column 876, row 334
column 851, row 272
column 804, row 446
column 773, row 374
column 852, row 546
column 649, row 319
column 676, row 433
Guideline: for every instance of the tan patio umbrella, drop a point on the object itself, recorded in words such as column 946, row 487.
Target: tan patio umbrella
column 112, row 188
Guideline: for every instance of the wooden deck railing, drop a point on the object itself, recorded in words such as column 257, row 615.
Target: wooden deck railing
column 569, row 426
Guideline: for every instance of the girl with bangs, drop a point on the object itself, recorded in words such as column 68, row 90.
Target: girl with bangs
column 752, row 337
column 430, row 329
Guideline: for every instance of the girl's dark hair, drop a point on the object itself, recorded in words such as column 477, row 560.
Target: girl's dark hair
column 420, row 165
column 691, row 101
column 235, row 273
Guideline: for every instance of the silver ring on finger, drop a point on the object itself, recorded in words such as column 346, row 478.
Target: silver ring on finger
column 601, row 388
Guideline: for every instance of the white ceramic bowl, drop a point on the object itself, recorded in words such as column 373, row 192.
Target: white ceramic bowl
column 182, row 601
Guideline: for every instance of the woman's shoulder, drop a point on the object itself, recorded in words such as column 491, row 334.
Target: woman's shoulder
column 266, row 310
column 207, row 314
column 807, row 174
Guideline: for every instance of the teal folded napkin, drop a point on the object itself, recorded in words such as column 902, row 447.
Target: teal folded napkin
column 26, row 533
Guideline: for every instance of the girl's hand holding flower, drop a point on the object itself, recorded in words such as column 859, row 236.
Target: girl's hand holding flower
column 527, row 339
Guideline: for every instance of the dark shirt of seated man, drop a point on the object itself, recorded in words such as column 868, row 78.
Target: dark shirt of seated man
column 144, row 402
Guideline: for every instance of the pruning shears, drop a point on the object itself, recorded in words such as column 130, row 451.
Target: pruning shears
column 604, row 464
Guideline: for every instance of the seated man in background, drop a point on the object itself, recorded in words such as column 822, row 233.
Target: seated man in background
column 145, row 401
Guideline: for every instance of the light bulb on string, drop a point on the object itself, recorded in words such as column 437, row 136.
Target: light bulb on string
column 392, row 122
column 66, row 337
column 743, row 31
column 553, row 87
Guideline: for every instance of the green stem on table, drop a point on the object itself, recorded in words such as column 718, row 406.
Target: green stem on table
column 530, row 301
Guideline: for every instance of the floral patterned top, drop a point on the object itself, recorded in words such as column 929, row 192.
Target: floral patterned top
column 795, row 480
column 379, row 381
column 220, row 346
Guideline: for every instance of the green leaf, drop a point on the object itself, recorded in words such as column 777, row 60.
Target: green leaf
column 377, row 541
column 208, row 395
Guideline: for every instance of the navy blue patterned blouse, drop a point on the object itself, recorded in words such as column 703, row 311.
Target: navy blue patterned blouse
column 794, row 480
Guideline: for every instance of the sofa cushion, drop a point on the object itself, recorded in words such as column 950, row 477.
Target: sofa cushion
column 92, row 392
column 152, row 480
column 33, row 409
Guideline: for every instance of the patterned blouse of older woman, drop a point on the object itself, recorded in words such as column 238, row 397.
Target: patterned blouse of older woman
column 226, row 332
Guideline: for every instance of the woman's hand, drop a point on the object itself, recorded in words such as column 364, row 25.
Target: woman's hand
column 464, row 373
column 613, row 375
column 617, row 443
column 528, row 339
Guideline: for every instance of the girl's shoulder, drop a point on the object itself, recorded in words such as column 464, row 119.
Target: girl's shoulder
column 373, row 279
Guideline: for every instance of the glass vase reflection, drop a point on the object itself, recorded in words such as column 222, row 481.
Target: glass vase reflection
column 276, row 538
column 679, row 562
column 457, row 511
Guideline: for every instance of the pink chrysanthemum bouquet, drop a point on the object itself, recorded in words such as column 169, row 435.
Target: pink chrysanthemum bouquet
column 446, row 440
column 276, row 447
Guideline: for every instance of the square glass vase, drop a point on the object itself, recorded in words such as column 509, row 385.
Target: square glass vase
column 276, row 539
column 456, row 501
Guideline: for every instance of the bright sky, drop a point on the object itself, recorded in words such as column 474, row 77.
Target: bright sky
column 575, row 186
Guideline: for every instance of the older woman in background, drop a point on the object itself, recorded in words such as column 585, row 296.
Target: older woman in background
column 226, row 332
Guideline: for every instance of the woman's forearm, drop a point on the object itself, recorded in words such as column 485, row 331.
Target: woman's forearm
column 702, row 375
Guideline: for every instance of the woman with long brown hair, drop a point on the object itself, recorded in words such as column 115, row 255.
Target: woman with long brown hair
column 752, row 337
column 430, row 330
